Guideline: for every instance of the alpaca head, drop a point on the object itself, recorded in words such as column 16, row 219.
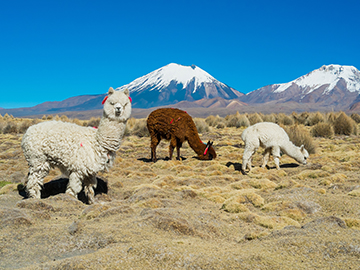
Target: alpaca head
column 117, row 105
column 209, row 152
column 303, row 156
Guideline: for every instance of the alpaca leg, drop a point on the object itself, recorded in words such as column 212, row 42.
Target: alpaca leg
column 266, row 157
column 172, row 146
column 74, row 186
column 246, row 162
column 178, row 146
column 276, row 154
column 250, row 149
column 91, row 183
column 155, row 140
column 35, row 180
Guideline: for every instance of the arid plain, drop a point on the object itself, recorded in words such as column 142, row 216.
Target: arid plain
column 189, row 214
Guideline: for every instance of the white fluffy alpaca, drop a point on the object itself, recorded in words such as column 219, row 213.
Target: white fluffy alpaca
column 274, row 139
column 79, row 152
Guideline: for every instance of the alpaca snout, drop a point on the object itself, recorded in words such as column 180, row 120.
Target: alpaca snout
column 304, row 161
column 117, row 111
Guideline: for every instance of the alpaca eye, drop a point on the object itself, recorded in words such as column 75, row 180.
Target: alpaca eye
column 112, row 103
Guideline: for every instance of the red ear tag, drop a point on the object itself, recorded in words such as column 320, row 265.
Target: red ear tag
column 104, row 100
column 130, row 99
column 207, row 148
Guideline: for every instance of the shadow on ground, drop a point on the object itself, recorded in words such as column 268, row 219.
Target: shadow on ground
column 57, row 186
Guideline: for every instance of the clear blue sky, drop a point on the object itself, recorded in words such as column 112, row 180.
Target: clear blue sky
column 55, row 49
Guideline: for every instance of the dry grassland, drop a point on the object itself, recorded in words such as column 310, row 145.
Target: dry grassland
column 190, row 214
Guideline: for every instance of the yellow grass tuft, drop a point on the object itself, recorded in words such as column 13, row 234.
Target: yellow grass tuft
column 352, row 223
column 232, row 206
column 276, row 206
column 8, row 188
column 313, row 174
column 295, row 214
column 355, row 193
column 165, row 181
column 270, row 222
column 151, row 203
column 247, row 196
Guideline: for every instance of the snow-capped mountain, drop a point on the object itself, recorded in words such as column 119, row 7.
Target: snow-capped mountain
column 174, row 83
column 331, row 85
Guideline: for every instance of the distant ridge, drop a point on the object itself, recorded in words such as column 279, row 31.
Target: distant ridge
column 331, row 87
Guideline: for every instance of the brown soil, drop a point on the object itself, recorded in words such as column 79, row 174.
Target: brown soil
column 188, row 214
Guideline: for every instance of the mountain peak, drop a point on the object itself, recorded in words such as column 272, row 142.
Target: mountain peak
column 173, row 83
column 163, row 76
column 326, row 75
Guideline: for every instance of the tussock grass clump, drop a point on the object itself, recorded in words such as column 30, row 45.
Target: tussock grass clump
column 300, row 118
column 269, row 118
column 93, row 122
column 315, row 118
column 7, row 117
column 322, row 129
column 254, row 118
column 24, row 126
column 345, row 125
column 352, row 223
column 215, row 121
column 140, row 128
column 355, row 117
column 355, row 193
column 201, row 125
column 283, row 119
column 300, row 136
column 10, row 127
column 77, row 122
column 331, row 117
column 237, row 120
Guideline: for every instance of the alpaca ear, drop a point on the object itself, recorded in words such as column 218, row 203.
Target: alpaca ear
column 104, row 100
column 207, row 148
column 111, row 91
column 126, row 92
column 302, row 147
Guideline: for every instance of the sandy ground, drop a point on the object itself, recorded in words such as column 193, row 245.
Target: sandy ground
column 188, row 214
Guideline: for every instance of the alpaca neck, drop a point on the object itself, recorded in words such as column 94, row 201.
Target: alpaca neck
column 196, row 144
column 110, row 133
column 292, row 150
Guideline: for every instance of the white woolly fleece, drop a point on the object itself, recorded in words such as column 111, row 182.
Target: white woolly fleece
column 273, row 138
column 79, row 152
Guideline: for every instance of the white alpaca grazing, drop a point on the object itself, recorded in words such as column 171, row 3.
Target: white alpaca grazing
column 79, row 152
column 274, row 139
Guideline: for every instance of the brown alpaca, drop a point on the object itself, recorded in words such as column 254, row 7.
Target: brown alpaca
column 177, row 126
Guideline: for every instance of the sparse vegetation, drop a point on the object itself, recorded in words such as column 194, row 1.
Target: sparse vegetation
column 345, row 125
column 355, row 117
column 322, row 129
column 237, row 120
column 300, row 136
column 139, row 128
column 283, row 119
column 175, row 213
column 254, row 118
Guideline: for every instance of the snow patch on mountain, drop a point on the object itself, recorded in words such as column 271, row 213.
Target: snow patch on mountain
column 326, row 75
column 162, row 77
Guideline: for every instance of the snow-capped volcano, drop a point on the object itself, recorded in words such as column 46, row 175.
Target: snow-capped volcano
column 326, row 75
column 174, row 83
column 331, row 85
